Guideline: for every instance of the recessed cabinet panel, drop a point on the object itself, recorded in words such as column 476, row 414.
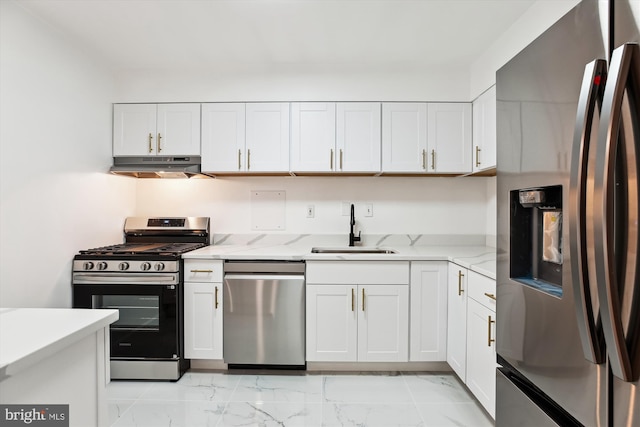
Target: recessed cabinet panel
column 449, row 136
column 481, row 354
column 428, row 339
column 267, row 137
column 203, row 320
column 223, row 135
column 457, row 320
column 134, row 129
column 358, row 136
column 178, row 130
column 313, row 136
column 404, row 137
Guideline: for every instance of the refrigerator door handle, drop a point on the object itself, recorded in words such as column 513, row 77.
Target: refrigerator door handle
column 590, row 98
column 616, row 218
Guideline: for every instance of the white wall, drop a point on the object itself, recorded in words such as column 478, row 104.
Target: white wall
column 540, row 16
column 209, row 86
column 55, row 145
column 400, row 205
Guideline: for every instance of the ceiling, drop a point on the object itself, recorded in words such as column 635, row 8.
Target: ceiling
column 272, row 35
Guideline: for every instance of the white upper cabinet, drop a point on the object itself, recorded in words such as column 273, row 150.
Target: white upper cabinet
column 267, row 137
column 404, row 137
column 358, row 136
column 156, row 129
column 484, row 131
column 449, row 137
column 223, row 129
column 245, row 137
column 313, row 137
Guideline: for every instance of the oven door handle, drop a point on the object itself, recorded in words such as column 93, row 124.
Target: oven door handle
column 119, row 278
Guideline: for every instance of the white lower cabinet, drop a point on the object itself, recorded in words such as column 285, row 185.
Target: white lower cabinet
column 457, row 320
column 357, row 311
column 428, row 323
column 481, row 346
column 203, row 309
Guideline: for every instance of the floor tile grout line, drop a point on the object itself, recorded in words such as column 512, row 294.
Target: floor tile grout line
column 226, row 404
column 413, row 398
column 130, row 406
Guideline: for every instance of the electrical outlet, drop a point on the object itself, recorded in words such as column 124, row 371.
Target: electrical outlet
column 311, row 211
column 368, row 209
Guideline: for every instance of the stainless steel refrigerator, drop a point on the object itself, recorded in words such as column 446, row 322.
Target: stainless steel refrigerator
column 568, row 270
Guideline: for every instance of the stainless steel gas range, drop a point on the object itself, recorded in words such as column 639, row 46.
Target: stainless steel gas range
column 143, row 279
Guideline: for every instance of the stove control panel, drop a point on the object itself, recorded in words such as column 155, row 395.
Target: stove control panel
column 130, row 266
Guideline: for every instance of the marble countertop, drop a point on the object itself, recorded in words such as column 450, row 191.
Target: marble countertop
column 474, row 256
column 29, row 335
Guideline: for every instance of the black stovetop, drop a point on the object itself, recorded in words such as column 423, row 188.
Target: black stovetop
column 144, row 249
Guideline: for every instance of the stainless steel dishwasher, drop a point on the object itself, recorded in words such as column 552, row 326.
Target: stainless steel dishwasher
column 264, row 314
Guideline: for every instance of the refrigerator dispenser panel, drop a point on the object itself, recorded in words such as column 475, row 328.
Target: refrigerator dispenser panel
column 536, row 238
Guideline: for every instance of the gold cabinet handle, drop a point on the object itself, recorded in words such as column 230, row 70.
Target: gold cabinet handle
column 362, row 299
column 489, row 339
column 460, row 276
column 488, row 295
column 248, row 159
column 239, row 159
column 150, row 142
column 341, row 159
column 216, row 306
column 353, row 299
column 433, row 159
column 331, row 160
column 424, row 159
column 478, row 150
column 202, row 271
column 159, row 142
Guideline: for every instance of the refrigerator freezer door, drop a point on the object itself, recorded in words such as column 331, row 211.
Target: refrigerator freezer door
column 537, row 93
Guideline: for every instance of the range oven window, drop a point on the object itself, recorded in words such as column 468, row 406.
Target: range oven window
column 136, row 311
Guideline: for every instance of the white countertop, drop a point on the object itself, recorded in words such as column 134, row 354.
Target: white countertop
column 478, row 258
column 29, row 335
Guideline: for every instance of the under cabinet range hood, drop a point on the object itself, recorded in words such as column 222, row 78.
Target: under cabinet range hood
column 158, row 167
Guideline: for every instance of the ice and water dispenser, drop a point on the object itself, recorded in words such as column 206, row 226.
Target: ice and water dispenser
column 536, row 238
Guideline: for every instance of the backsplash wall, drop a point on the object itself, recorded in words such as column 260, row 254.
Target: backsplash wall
column 401, row 205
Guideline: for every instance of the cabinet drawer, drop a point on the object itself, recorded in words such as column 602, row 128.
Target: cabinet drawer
column 201, row 270
column 358, row 272
column 480, row 287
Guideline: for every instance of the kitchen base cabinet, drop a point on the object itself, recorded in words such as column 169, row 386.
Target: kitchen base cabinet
column 481, row 354
column 332, row 323
column 481, row 346
column 457, row 319
column 203, row 309
column 428, row 323
column 357, row 311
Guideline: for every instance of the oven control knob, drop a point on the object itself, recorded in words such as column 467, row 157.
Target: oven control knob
column 87, row 265
column 159, row 266
column 102, row 265
column 123, row 266
column 145, row 266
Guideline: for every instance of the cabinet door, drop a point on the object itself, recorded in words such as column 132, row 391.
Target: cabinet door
column 481, row 348
column 331, row 323
column 404, row 137
column 223, row 136
column 178, row 130
column 484, row 130
column 134, row 129
column 203, row 320
column 267, row 137
column 457, row 320
column 449, row 137
column 383, row 323
column 313, row 136
column 358, row 136
column 428, row 339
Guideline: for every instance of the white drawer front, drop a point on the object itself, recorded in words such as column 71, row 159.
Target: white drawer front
column 482, row 289
column 197, row 270
column 358, row 272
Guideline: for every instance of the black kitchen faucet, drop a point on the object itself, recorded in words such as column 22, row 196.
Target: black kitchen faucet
column 352, row 238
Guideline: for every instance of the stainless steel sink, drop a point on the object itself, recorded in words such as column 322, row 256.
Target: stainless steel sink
column 352, row 250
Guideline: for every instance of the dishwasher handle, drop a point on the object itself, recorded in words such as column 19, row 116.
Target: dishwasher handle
column 270, row 277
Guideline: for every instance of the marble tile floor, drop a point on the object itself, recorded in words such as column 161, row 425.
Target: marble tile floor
column 301, row 399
